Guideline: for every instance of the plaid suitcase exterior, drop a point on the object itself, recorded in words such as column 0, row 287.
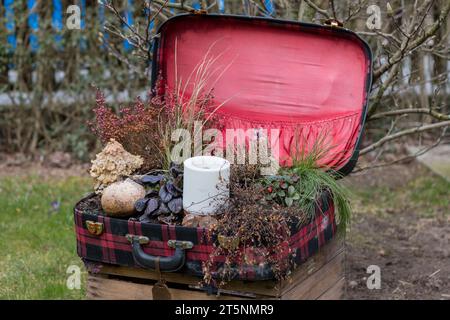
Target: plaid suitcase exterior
column 274, row 74
column 107, row 242
column 337, row 52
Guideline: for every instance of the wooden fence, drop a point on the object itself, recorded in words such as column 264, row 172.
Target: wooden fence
column 58, row 12
column 30, row 23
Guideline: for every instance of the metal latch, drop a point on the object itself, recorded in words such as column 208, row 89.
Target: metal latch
column 180, row 244
column 334, row 23
column 94, row 228
column 200, row 11
column 140, row 239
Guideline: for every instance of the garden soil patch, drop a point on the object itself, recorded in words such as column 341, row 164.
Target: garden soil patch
column 411, row 249
column 17, row 165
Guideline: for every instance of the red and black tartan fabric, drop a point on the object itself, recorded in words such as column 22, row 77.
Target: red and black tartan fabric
column 112, row 246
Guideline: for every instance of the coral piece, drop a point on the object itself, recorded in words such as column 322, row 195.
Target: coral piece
column 112, row 163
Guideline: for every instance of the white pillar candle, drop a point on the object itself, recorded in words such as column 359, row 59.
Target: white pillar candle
column 205, row 184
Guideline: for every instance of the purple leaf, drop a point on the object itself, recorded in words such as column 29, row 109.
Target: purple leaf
column 176, row 205
column 152, row 179
column 163, row 209
column 152, row 205
column 141, row 204
column 172, row 189
column 164, row 194
column 175, row 170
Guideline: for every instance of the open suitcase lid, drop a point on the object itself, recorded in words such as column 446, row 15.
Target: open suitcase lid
column 303, row 79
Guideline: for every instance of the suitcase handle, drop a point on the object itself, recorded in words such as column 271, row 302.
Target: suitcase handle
column 166, row 264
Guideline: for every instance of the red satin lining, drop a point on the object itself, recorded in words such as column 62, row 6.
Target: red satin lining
column 339, row 136
column 274, row 75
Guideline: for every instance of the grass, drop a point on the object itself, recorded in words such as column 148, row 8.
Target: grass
column 313, row 178
column 426, row 194
column 37, row 244
column 433, row 190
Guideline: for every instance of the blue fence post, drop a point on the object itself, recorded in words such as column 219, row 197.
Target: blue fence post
column 196, row 5
column 83, row 14
column 148, row 15
column 101, row 16
column 83, row 42
column 33, row 23
column 269, row 6
column 221, row 4
column 57, row 22
column 128, row 15
column 10, row 25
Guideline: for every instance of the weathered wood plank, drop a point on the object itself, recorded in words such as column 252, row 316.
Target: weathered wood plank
column 321, row 276
column 101, row 288
column 317, row 283
column 314, row 263
column 267, row 288
column 335, row 292
column 257, row 287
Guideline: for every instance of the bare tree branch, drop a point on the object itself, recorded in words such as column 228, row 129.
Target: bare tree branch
column 399, row 55
column 412, row 32
column 373, row 165
column 323, row 12
column 400, row 134
column 434, row 114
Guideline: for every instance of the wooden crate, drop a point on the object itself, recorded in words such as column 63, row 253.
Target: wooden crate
column 320, row 277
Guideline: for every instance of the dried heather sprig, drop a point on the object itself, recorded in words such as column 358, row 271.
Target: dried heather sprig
column 261, row 231
column 135, row 127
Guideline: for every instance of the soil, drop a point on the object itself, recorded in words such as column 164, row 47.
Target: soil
column 45, row 167
column 412, row 251
column 91, row 204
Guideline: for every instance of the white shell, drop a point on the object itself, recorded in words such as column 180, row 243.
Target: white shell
column 118, row 198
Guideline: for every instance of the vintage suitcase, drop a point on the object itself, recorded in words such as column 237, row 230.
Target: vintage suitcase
column 284, row 75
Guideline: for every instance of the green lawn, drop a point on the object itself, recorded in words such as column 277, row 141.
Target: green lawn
column 427, row 195
column 37, row 243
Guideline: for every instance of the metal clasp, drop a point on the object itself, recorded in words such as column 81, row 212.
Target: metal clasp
column 94, row 228
column 200, row 12
column 180, row 244
column 140, row 239
column 333, row 23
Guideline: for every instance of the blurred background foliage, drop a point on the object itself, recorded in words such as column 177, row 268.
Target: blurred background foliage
column 48, row 72
column 47, row 92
